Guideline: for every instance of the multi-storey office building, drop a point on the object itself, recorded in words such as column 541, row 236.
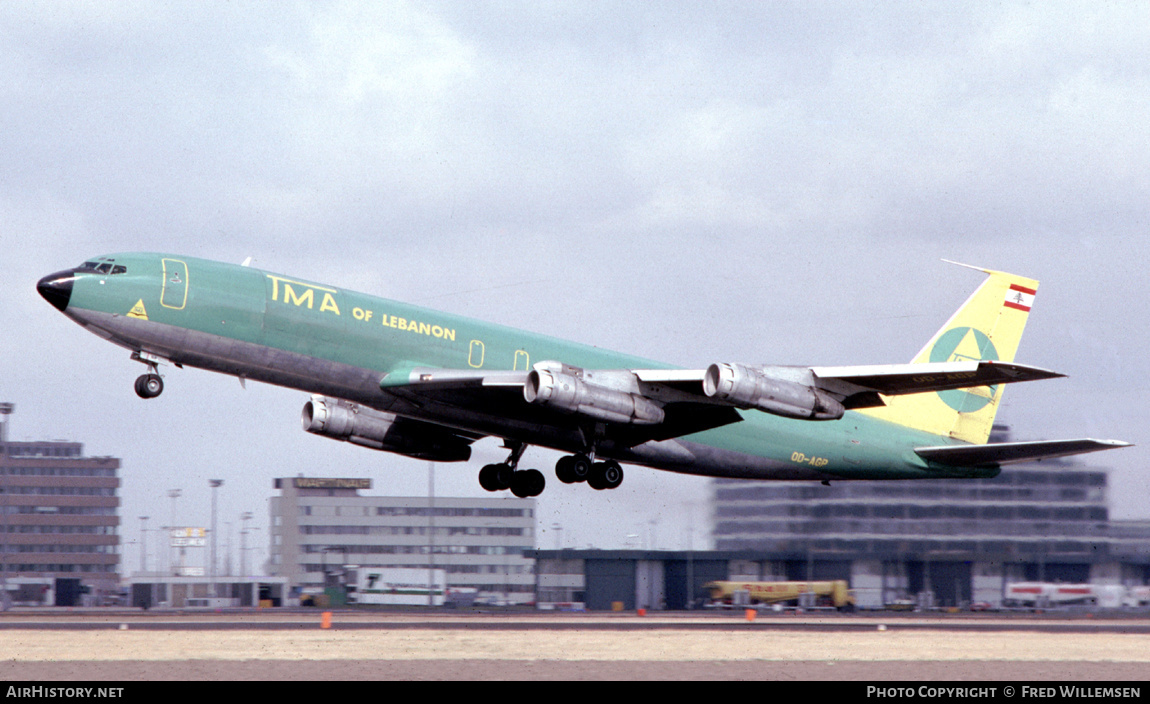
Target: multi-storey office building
column 58, row 513
column 320, row 524
column 955, row 540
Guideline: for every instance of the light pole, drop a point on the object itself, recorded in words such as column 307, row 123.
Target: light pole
column 215, row 484
column 431, row 534
column 6, row 409
column 173, row 494
column 5, row 603
column 244, row 518
column 227, row 549
column 143, row 545
column 690, row 555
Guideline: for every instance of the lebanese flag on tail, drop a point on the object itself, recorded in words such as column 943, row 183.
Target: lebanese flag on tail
column 1020, row 298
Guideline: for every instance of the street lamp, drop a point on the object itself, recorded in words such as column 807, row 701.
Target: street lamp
column 244, row 518
column 173, row 494
column 143, row 545
column 215, row 484
column 431, row 534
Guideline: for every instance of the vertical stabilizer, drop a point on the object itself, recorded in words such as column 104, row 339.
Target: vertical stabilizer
column 987, row 327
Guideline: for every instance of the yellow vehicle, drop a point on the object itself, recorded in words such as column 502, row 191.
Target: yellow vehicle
column 834, row 593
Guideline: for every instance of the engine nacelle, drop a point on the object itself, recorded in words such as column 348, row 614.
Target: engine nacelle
column 366, row 427
column 752, row 387
column 563, row 389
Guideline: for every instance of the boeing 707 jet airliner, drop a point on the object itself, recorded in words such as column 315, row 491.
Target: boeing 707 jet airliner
column 399, row 378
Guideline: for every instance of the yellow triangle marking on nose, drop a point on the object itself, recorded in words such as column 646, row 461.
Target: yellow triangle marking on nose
column 138, row 310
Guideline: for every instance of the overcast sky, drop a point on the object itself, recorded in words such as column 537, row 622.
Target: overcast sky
column 691, row 182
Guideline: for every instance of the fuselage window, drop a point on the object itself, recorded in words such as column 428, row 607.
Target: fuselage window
column 104, row 268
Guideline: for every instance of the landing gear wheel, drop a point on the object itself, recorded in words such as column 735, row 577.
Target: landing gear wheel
column 527, row 483
column 605, row 475
column 573, row 468
column 563, row 470
column 495, row 477
column 149, row 386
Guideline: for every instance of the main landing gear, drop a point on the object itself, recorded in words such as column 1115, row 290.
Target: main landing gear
column 580, row 468
column 570, row 469
column 524, row 483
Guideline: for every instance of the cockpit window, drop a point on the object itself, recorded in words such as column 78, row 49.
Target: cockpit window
column 104, row 267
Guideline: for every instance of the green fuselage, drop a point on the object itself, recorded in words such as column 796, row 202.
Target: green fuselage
column 324, row 340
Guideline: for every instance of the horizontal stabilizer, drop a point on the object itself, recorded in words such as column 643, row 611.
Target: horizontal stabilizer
column 1007, row 452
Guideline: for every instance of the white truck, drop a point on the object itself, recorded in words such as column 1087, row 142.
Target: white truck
column 1048, row 594
column 399, row 586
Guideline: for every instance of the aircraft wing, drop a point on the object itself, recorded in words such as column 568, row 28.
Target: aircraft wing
column 887, row 379
column 659, row 404
column 1008, row 452
column 861, row 386
column 607, row 396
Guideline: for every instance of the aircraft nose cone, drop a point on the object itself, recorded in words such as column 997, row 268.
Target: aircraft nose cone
column 57, row 288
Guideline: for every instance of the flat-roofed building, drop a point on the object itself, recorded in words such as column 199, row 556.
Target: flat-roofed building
column 59, row 513
column 951, row 541
column 319, row 525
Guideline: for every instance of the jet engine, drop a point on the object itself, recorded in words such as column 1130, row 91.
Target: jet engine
column 353, row 423
column 563, row 388
column 756, row 387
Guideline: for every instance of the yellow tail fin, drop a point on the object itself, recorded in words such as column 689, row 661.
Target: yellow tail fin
column 988, row 326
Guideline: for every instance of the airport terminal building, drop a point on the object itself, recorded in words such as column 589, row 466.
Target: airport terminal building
column 931, row 543
column 320, row 525
column 59, row 520
column 950, row 542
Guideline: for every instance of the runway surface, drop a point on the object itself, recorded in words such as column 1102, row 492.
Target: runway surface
column 127, row 645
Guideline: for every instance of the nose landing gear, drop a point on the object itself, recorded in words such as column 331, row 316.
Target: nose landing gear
column 149, row 385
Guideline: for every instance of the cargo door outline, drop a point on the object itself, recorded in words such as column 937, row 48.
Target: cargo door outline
column 174, row 293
